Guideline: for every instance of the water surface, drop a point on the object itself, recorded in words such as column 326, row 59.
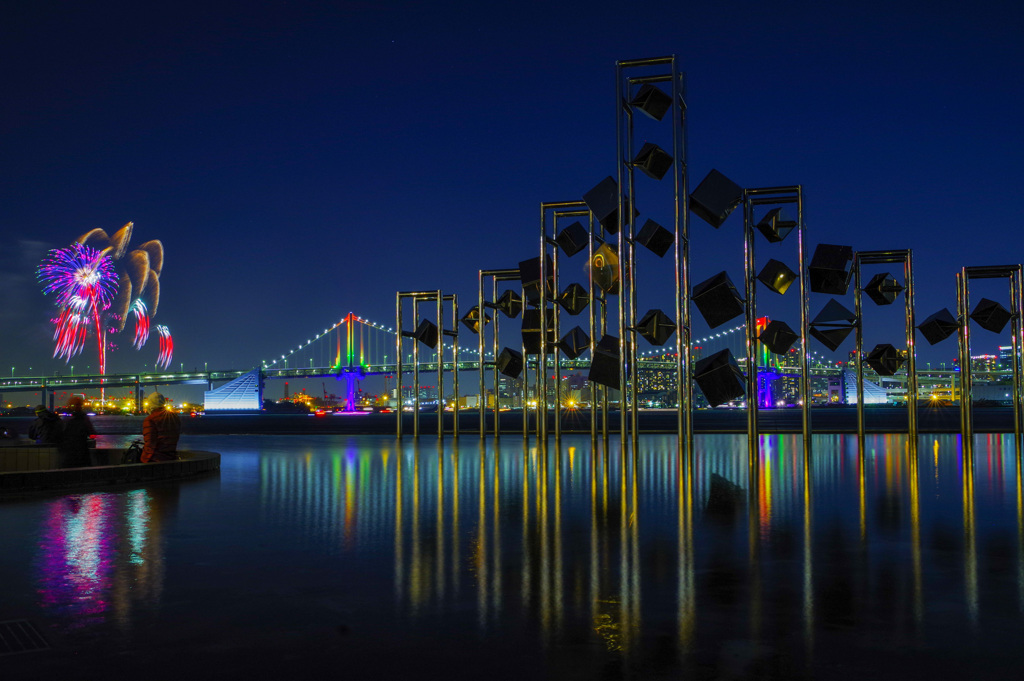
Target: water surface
column 356, row 557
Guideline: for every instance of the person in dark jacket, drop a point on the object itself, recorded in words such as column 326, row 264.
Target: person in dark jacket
column 160, row 433
column 47, row 429
column 74, row 446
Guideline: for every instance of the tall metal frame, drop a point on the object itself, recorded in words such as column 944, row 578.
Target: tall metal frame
column 963, row 277
column 905, row 257
column 550, row 214
column 627, row 309
column 496, row 276
column 774, row 196
column 453, row 333
column 438, row 298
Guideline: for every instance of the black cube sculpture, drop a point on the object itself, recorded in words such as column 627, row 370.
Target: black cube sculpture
column 778, row 337
column 776, row 276
column 715, row 198
column 939, row 326
column 717, row 300
column 471, row 320
column 834, row 313
column 776, row 225
column 531, row 330
column 604, row 367
column 833, row 324
column 991, row 315
column 508, row 303
column 831, row 337
column 574, row 343
column 885, row 359
column 426, row 333
column 574, row 299
column 530, row 276
column 509, row 363
column 883, row 289
column 655, row 237
column 572, row 239
column 653, row 161
column 719, row 378
column 603, row 202
column 829, row 271
column 652, row 101
column 656, row 326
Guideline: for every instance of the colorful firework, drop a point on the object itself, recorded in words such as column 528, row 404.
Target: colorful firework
column 85, row 283
column 98, row 281
column 163, row 360
column 141, row 323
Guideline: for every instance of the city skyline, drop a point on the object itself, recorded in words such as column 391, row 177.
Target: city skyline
column 302, row 163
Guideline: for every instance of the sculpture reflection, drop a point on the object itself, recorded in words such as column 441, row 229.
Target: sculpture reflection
column 655, row 557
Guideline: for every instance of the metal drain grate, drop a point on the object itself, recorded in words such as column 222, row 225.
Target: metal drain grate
column 20, row 636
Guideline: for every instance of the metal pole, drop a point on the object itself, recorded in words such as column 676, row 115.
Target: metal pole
column 679, row 178
column 542, row 377
column 494, row 356
column 805, row 355
column 416, row 373
column 912, row 387
column 440, row 366
column 686, row 377
column 558, row 329
column 858, row 349
column 622, row 209
column 400, row 410
column 1017, row 344
column 750, row 337
column 455, row 364
column 526, row 374
column 482, row 399
column 966, row 421
column 627, row 286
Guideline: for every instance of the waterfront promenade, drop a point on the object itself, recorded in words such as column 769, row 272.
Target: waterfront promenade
column 842, row 419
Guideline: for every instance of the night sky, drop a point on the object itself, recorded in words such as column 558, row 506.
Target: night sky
column 300, row 161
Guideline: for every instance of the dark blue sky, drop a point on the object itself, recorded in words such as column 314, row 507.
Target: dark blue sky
column 299, row 162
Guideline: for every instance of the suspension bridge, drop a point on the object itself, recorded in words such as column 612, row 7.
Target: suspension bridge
column 354, row 348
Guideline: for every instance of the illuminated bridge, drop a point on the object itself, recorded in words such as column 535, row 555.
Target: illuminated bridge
column 354, row 348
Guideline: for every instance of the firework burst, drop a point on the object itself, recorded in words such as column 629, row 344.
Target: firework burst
column 84, row 282
column 79, row 272
column 98, row 283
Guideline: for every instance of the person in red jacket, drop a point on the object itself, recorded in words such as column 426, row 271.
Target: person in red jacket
column 160, row 433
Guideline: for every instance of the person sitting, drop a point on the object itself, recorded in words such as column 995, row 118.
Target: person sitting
column 160, row 433
column 74, row 446
column 47, row 429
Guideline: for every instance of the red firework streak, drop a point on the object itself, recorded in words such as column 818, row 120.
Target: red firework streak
column 163, row 360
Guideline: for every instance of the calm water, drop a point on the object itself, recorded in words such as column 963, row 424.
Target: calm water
column 359, row 557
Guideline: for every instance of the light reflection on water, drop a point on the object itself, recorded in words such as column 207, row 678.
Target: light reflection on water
column 641, row 557
column 101, row 554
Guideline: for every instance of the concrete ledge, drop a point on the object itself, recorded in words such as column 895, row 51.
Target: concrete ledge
column 191, row 463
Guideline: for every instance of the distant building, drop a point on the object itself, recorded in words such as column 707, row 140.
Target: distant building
column 843, row 389
column 985, row 363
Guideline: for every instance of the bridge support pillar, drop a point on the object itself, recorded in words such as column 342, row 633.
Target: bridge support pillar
column 138, row 398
